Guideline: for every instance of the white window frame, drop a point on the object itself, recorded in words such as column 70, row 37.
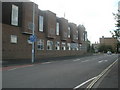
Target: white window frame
column 80, row 46
column 63, row 46
column 68, row 46
column 57, row 28
column 50, row 45
column 77, row 34
column 68, row 32
column 41, row 22
column 40, row 43
column 57, row 45
column 77, row 47
column 13, row 39
column 85, row 36
column 14, row 16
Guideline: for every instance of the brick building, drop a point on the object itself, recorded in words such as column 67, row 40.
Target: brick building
column 109, row 41
column 55, row 36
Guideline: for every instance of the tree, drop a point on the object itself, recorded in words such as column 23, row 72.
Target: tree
column 88, row 45
column 105, row 48
column 116, row 33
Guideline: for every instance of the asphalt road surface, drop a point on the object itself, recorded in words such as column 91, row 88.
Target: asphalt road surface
column 70, row 73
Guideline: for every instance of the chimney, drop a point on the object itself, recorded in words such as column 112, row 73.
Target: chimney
column 103, row 37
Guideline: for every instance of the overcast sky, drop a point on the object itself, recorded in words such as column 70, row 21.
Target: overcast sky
column 95, row 15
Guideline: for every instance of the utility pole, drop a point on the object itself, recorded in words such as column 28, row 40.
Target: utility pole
column 33, row 33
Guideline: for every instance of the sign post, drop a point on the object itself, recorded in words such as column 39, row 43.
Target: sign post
column 33, row 29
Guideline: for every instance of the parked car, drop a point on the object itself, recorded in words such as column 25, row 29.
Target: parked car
column 109, row 52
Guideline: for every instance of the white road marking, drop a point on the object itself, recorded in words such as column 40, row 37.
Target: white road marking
column 76, row 60
column 85, row 61
column 102, row 61
column 46, row 63
column 12, row 69
column 106, row 60
column 95, row 79
column 84, row 83
column 100, row 75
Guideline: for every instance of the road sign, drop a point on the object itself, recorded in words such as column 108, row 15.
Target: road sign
column 33, row 38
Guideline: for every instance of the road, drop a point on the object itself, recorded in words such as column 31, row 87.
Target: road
column 70, row 73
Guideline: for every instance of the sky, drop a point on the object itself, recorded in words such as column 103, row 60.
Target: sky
column 95, row 15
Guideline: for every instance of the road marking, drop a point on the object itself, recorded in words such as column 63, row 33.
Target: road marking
column 12, row 69
column 76, row 60
column 95, row 79
column 102, row 61
column 46, row 62
column 100, row 75
column 84, row 83
column 106, row 60
column 85, row 61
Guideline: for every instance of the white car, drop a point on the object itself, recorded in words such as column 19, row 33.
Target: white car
column 109, row 52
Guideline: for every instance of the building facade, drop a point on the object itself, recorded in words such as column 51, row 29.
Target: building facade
column 56, row 36
column 109, row 41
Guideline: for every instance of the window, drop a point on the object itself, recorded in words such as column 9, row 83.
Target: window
column 68, row 32
column 85, row 36
column 68, row 46
column 57, row 45
column 80, row 46
column 77, row 34
column 30, row 26
column 77, row 48
column 63, row 46
column 40, row 44
column 49, row 45
column 14, row 16
column 74, row 46
column 13, row 39
column 57, row 28
column 41, row 23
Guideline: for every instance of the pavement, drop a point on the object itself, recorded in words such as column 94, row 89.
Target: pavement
column 111, row 79
column 67, row 73
column 7, row 63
